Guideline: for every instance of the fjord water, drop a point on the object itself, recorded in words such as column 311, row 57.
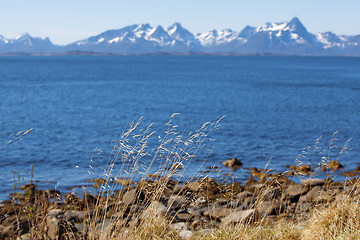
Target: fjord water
column 274, row 107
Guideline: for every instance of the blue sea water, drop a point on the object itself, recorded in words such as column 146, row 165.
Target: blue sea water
column 275, row 108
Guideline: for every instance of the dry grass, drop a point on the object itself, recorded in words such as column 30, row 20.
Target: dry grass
column 281, row 230
column 339, row 219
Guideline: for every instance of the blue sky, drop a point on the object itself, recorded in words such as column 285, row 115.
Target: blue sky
column 66, row 21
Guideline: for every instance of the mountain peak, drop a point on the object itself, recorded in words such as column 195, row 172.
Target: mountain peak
column 247, row 32
column 23, row 36
column 296, row 26
column 179, row 32
column 159, row 32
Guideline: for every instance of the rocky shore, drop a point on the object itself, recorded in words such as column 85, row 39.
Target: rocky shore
column 183, row 209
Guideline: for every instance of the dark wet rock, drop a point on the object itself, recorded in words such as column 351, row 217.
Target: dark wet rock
column 233, row 163
column 333, row 165
column 290, row 173
column 214, row 167
column 29, row 189
column 258, row 173
column 89, row 201
column 250, row 182
column 349, row 174
column 303, row 169
column 52, row 193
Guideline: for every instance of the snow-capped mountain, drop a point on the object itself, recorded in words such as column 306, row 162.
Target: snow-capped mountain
column 26, row 43
column 141, row 38
column 289, row 38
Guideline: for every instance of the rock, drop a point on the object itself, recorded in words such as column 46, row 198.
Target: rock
column 176, row 202
column 304, row 169
column 178, row 226
column 82, row 227
column 334, row 165
column 124, row 182
column 29, row 189
column 269, row 208
column 303, row 207
column 270, row 194
column 294, row 191
column 54, row 223
column 78, row 216
column 132, row 196
column 201, row 202
column 154, row 209
column 316, row 194
column 218, row 212
column 312, row 182
column 243, row 195
column 185, row 234
column 194, row 186
column 103, row 228
column 184, row 217
column 195, row 211
column 89, row 200
column 179, row 189
column 238, row 217
column 53, row 193
column 233, row 163
column 257, row 173
column 349, row 174
column 25, row 236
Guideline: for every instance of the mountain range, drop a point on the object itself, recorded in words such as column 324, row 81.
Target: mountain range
column 285, row 38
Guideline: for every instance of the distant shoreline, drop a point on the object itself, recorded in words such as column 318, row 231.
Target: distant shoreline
column 89, row 53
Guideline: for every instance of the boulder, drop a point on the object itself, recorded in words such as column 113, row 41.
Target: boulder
column 238, row 217
column 194, row 186
column 132, row 196
column 333, row 165
column 312, row 182
column 233, row 163
column 176, row 202
column 269, row 208
column 54, row 223
column 316, row 194
column 218, row 212
column 294, row 191
column 304, row 169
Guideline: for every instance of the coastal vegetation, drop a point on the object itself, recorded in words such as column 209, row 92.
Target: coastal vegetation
column 131, row 201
